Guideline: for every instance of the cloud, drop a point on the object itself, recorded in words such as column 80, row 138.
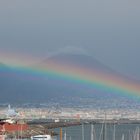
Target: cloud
column 69, row 49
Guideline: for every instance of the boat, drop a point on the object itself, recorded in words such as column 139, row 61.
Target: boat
column 12, row 127
column 41, row 137
column 8, row 126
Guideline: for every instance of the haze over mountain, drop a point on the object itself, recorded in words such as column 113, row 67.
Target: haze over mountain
column 22, row 87
column 80, row 58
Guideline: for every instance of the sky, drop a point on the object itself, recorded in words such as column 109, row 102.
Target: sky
column 108, row 30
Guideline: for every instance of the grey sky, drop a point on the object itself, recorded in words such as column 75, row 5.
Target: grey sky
column 109, row 30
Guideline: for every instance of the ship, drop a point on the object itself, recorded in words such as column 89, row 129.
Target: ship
column 41, row 137
column 8, row 127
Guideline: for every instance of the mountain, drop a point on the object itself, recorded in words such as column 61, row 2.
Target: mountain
column 83, row 61
column 19, row 86
column 78, row 60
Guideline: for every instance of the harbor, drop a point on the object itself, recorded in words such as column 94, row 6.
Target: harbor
column 70, row 130
column 69, row 124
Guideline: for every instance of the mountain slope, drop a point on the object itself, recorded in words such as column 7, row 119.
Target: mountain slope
column 23, row 87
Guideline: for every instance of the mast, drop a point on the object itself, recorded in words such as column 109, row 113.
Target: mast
column 65, row 135
column 83, row 137
column 122, row 136
column 61, row 134
column 104, row 128
column 114, row 132
column 94, row 133
column 138, row 135
column 129, row 135
column 104, row 131
column 101, row 132
column 92, row 136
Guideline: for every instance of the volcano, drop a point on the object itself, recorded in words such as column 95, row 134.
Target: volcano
column 17, row 87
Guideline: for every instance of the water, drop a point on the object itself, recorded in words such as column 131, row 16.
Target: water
column 75, row 132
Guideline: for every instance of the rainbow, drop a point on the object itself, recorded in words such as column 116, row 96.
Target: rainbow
column 93, row 78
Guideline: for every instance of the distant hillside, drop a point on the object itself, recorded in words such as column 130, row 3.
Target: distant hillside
column 21, row 87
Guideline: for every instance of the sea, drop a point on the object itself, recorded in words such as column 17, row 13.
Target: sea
column 100, row 132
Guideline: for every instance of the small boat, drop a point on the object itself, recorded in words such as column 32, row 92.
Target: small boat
column 41, row 137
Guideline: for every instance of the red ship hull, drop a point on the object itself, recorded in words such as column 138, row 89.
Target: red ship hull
column 6, row 127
